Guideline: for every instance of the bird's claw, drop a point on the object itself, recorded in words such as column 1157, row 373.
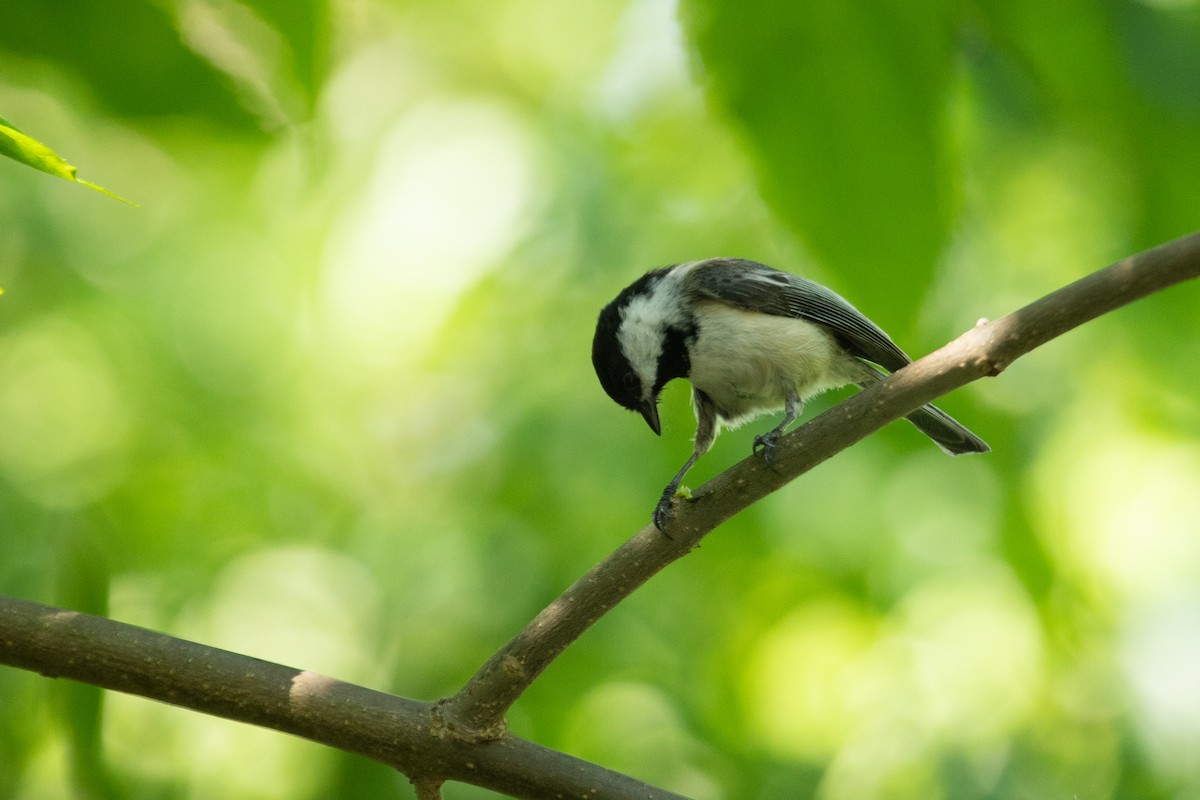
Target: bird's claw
column 767, row 443
column 660, row 516
column 662, row 513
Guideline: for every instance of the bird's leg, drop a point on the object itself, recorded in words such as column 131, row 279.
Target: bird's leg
column 768, row 441
column 706, row 432
column 662, row 512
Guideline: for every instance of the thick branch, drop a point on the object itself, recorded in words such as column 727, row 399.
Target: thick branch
column 409, row 735
column 986, row 350
column 464, row 738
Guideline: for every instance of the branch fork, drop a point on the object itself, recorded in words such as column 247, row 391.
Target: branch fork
column 465, row 737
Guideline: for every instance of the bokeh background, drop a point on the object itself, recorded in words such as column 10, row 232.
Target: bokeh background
column 325, row 397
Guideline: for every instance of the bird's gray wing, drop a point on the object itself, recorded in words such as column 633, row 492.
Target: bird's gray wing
column 757, row 287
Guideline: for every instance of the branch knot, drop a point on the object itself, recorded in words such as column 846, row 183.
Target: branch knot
column 445, row 724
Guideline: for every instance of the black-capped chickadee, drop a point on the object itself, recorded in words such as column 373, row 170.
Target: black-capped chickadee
column 751, row 340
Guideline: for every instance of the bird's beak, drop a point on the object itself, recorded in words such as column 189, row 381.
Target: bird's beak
column 649, row 411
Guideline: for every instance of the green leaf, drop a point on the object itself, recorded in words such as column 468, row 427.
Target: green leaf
column 20, row 146
column 131, row 57
column 843, row 110
column 305, row 27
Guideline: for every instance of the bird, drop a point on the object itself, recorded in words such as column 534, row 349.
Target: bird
column 751, row 340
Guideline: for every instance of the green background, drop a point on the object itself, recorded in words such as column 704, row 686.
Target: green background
column 325, row 398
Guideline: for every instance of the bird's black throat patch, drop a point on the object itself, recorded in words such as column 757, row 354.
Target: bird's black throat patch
column 674, row 361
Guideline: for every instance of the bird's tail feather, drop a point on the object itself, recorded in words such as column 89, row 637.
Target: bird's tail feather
column 947, row 432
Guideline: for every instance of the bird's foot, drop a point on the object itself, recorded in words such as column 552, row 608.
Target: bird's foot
column 766, row 444
column 665, row 510
column 662, row 513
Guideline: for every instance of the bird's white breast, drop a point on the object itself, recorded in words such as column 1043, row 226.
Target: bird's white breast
column 748, row 362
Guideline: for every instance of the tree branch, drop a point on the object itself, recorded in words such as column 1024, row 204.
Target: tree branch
column 406, row 734
column 985, row 350
column 464, row 737
column 428, row 789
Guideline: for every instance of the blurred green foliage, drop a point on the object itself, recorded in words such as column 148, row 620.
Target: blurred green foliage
column 325, row 398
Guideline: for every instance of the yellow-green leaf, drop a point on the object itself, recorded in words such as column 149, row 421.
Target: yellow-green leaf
column 20, row 146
